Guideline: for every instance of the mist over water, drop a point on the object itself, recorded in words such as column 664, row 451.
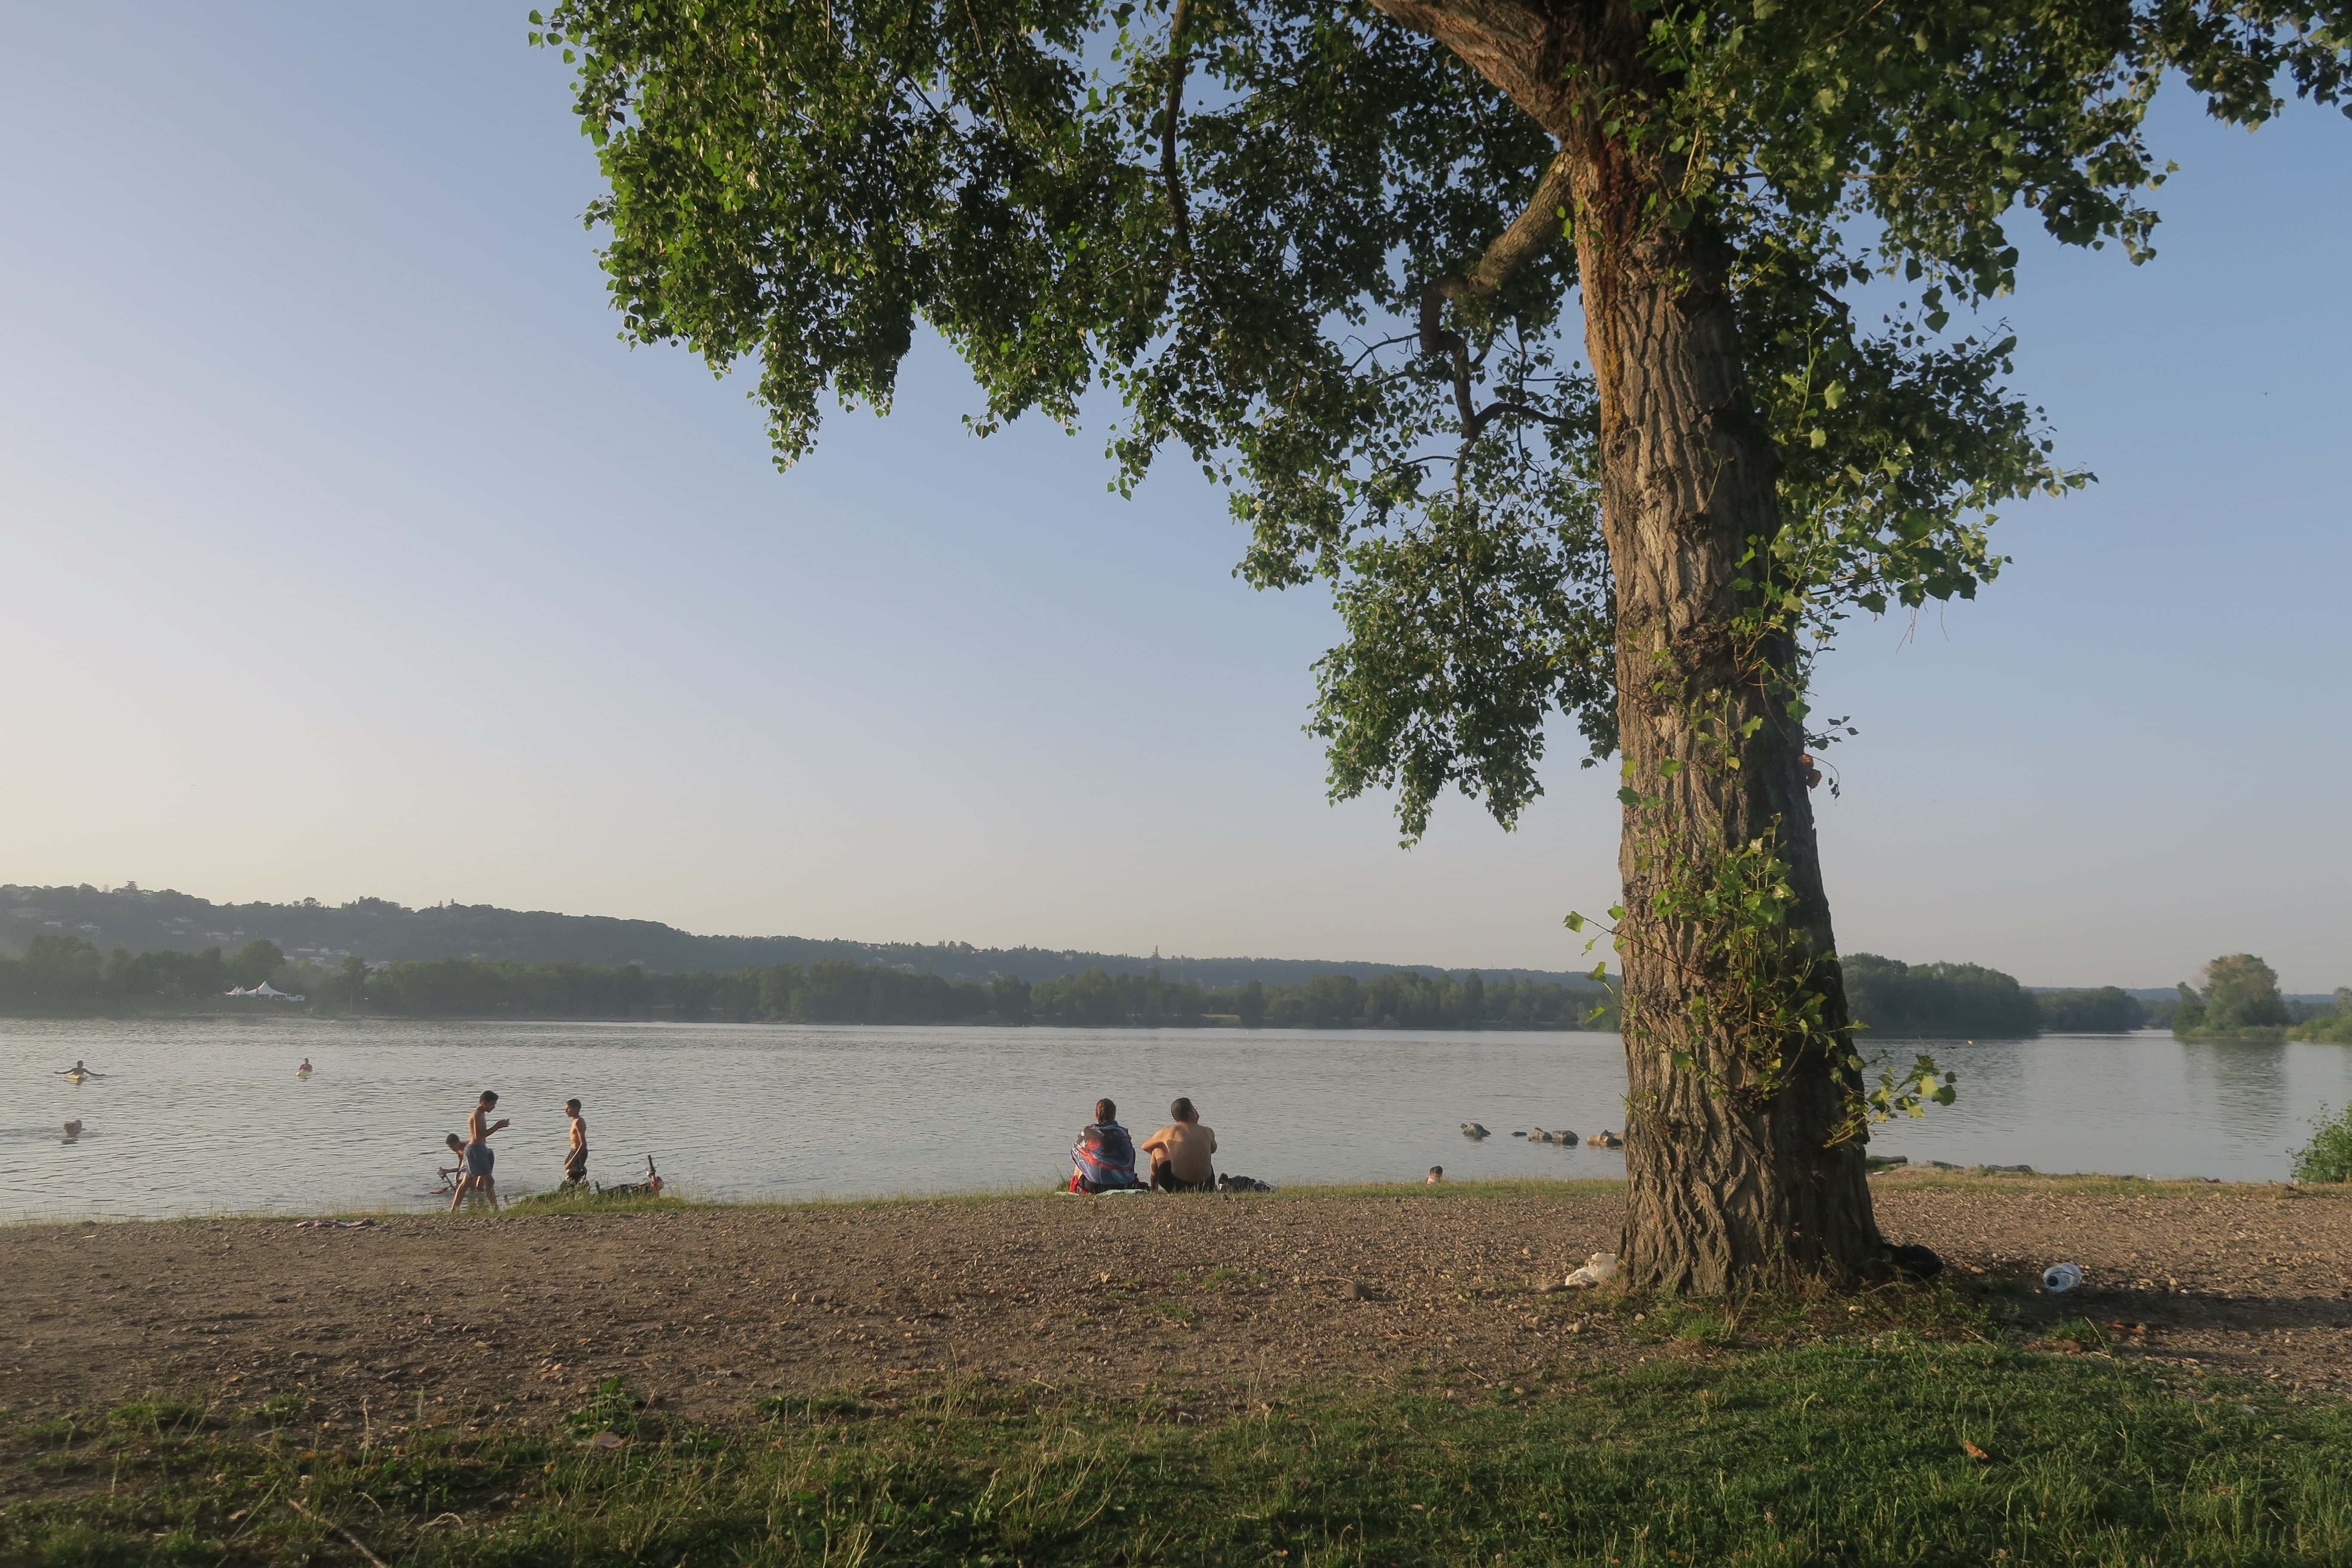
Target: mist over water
column 198, row 1117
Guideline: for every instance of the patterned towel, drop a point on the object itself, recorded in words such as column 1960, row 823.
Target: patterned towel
column 1105, row 1155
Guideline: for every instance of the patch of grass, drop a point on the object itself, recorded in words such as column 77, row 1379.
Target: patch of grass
column 1919, row 1452
column 610, row 1408
column 2080, row 1332
column 813, row 1406
column 158, row 1417
column 1764, row 1318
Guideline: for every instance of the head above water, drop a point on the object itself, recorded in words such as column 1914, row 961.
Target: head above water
column 1183, row 1110
column 1105, row 1112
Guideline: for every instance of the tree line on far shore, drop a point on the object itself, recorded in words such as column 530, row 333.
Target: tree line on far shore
column 65, row 975
column 1971, row 1002
column 2240, row 1000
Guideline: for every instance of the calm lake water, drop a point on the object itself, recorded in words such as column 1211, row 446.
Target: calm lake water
column 198, row 1117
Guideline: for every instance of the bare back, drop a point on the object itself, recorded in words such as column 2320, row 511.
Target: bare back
column 1186, row 1146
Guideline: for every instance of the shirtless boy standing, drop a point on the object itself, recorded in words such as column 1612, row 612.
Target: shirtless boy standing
column 478, row 1158
column 1180, row 1152
column 575, row 1162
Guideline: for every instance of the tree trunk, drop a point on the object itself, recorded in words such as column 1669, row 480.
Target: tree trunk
column 1745, row 1163
column 1743, row 1159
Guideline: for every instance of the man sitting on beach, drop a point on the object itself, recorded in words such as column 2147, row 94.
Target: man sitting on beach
column 1180, row 1152
column 478, row 1158
column 1103, row 1158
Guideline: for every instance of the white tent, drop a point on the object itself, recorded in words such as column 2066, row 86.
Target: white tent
column 267, row 990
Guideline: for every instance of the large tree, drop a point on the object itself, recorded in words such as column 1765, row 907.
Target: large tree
column 1337, row 255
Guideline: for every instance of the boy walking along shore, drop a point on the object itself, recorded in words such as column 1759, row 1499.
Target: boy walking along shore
column 575, row 1161
column 479, row 1157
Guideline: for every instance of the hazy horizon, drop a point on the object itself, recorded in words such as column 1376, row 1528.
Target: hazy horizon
column 1099, row 950
column 352, row 553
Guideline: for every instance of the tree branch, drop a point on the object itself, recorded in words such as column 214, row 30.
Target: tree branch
column 1180, row 63
column 1495, row 410
column 1529, row 233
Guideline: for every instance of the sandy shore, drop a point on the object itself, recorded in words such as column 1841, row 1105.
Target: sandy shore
column 708, row 1309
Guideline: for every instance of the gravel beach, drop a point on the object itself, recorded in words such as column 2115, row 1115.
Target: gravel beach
column 1229, row 1298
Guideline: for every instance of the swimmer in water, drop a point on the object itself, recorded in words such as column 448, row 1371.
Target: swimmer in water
column 304, row 1070
column 78, row 1072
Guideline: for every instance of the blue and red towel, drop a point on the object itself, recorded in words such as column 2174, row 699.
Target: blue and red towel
column 1105, row 1157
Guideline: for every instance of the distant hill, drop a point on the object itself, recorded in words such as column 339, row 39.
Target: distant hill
column 378, row 930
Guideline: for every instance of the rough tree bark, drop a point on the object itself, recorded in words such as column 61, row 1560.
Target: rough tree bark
column 1737, row 1176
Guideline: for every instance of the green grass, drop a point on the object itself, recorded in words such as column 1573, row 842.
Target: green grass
column 1896, row 1450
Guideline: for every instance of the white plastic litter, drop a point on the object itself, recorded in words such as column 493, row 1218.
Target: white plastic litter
column 1598, row 1269
column 2060, row 1277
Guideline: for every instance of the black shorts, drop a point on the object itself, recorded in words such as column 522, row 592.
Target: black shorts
column 575, row 1166
column 1164, row 1179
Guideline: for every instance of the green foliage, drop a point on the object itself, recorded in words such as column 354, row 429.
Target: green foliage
column 1239, row 232
column 64, row 974
column 1904, row 1450
column 254, row 963
column 2328, row 1028
column 2240, row 998
column 57, row 973
column 1946, row 1000
column 2329, row 1156
column 2240, row 991
column 2109, row 1010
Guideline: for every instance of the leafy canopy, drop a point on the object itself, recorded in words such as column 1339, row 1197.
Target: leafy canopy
column 1231, row 214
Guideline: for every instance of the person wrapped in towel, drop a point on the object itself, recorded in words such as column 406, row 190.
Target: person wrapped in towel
column 1103, row 1158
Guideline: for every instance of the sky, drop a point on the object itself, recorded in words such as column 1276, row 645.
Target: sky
column 347, row 551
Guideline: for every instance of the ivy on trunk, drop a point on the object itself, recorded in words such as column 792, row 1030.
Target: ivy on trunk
column 1340, row 254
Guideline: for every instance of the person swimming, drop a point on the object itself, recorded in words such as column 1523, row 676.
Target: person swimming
column 305, row 1070
column 78, row 1072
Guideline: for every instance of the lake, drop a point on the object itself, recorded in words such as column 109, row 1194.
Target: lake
column 208, row 1116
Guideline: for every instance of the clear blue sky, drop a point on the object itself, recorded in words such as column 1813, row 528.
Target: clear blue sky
column 348, row 552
